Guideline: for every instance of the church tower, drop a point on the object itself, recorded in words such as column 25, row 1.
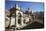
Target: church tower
column 29, row 10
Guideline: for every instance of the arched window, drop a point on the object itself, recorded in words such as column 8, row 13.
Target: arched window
column 19, row 18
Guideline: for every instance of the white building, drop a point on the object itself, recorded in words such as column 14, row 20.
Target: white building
column 18, row 18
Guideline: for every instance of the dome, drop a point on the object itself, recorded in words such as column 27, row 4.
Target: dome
column 17, row 7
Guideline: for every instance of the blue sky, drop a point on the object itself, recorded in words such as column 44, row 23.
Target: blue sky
column 35, row 6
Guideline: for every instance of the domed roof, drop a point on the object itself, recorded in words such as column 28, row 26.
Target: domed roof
column 17, row 7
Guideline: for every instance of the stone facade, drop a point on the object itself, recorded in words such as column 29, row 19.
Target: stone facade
column 19, row 19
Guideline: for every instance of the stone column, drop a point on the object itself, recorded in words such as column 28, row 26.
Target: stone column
column 22, row 18
column 12, row 21
column 16, row 19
